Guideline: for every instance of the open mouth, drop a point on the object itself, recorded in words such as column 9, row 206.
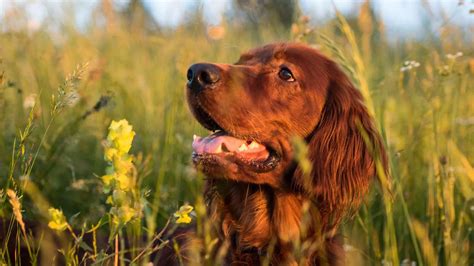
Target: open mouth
column 219, row 142
column 246, row 152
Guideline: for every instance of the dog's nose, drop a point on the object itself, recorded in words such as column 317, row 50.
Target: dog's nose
column 201, row 76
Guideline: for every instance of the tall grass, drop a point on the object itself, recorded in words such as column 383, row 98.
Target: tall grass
column 52, row 152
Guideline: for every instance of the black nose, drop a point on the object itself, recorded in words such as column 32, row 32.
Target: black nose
column 201, row 76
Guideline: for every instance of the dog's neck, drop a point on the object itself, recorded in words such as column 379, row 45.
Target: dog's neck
column 256, row 220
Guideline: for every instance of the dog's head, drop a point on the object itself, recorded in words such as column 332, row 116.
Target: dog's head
column 272, row 94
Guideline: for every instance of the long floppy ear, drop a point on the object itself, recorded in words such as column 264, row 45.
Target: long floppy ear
column 342, row 148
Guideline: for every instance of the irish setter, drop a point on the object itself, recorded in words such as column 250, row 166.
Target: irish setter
column 263, row 203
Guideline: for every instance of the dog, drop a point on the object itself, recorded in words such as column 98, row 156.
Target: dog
column 263, row 202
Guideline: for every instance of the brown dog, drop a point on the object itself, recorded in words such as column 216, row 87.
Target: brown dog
column 261, row 201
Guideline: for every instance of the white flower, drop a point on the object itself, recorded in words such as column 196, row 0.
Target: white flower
column 29, row 101
column 454, row 56
column 408, row 65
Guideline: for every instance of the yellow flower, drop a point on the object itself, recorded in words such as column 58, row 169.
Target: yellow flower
column 110, row 153
column 123, row 182
column 107, row 179
column 123, row 165
column 109, row 200
column 119, row 174
column 58, row 220
column 183, row 214
column 122, row 214
column 120, row 136
column 127, row 213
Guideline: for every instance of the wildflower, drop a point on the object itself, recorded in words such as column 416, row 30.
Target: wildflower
column 119, row 175
column 120, row 180
column 123, row 182
column 122, row 214
column 183, row 214
column 120, row 137
column 123, row 165
column 29, row 101
column 408, row 65
column 119, row 142
column 16, row 206
column 454, row 56
column 107, row 180
column 58, row 220
column 109, row 154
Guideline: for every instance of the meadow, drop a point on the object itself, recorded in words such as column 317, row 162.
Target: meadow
column 61, row 86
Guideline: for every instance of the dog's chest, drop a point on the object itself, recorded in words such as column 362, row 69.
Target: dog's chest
column 251, row 217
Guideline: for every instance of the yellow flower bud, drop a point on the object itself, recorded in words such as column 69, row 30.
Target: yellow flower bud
column 58, row 220
column 183, row 214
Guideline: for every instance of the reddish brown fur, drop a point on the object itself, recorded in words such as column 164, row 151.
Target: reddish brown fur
column 259, row 212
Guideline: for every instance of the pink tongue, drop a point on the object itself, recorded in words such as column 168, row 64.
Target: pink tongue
column 219, row 143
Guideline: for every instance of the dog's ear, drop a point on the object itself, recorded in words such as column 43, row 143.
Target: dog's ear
column 343, row 149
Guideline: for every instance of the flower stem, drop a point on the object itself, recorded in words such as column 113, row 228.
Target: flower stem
column 116, row 260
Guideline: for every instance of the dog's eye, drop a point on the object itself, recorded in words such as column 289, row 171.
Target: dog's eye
column 285, row 74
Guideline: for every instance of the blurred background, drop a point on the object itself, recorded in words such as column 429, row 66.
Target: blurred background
column 117, row 60
column 402, row 18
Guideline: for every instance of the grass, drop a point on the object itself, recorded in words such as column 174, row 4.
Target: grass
column 60, row 92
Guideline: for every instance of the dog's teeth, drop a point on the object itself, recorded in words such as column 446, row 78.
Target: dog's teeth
column 243, row 147
column 219, row 149
column 253, row 145
column 194, row 137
